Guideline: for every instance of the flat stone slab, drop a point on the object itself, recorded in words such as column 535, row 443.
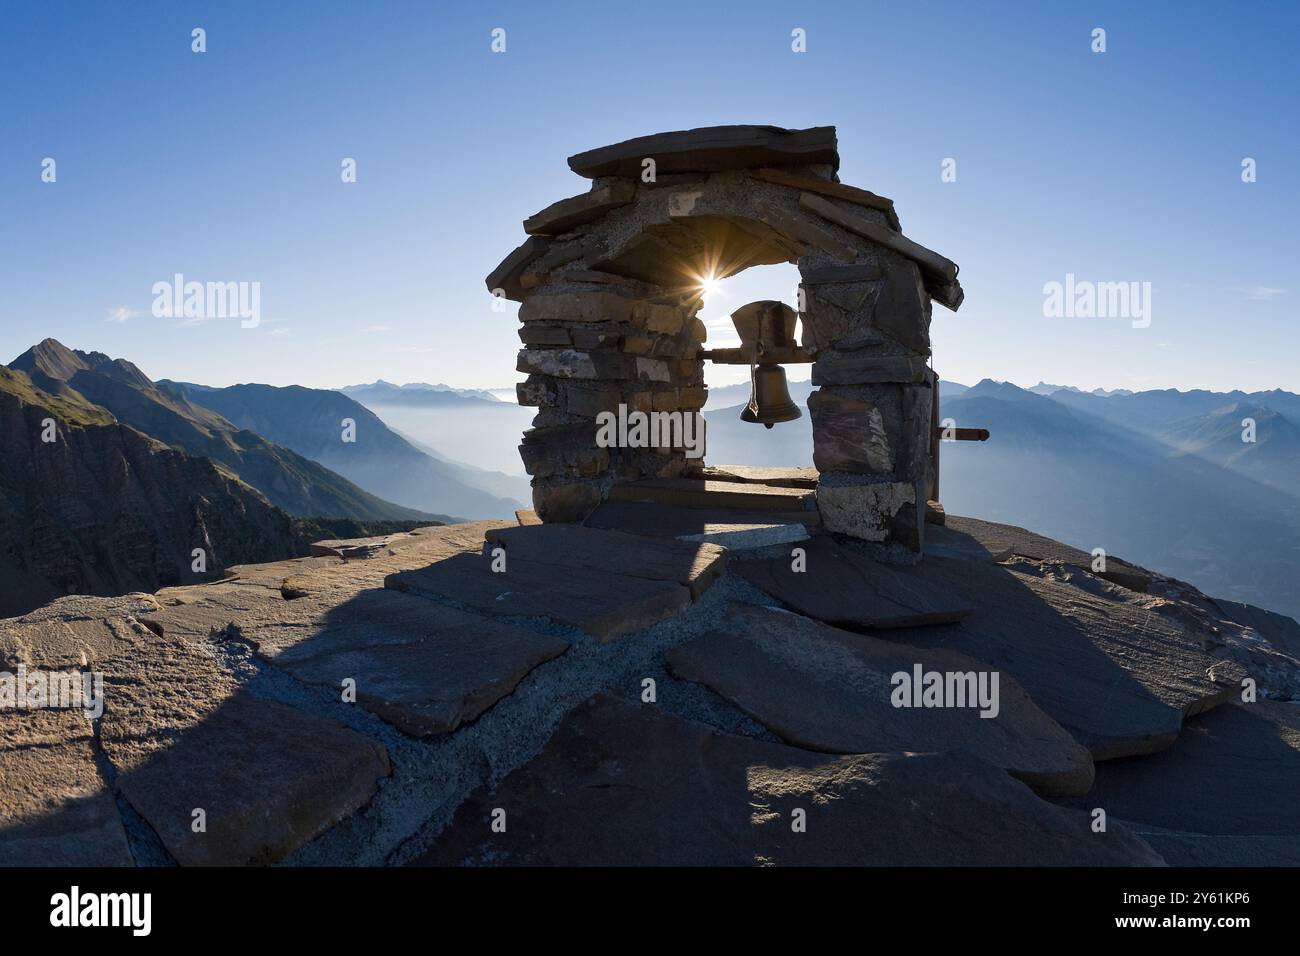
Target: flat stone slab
column 840, row 586
column 696, row 524
column 824, row 689
column 694, row 493
column 712, row 149
column 367, row 568
column 353, row 548
column 560, row 217
column 1004, row 538
column 625, row 785
column 944, row 542
column 274, row 573
column 601, row 604
column 209, row 610
column 56, row 809
column 748, row 537
column 1227, row 793
column 1119, row 670
column 761, row 475
column 696, row 566
column 1281, row 632
column 181, row 734
column 421, row 666
column 268, row 776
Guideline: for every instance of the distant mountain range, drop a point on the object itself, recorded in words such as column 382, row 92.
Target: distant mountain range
column 415, row 393
column 309, row 421
column 92, row 502
column 1162, row 478
column 483, row 433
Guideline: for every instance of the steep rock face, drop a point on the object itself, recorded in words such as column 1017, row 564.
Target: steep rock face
column 104, row 509
column 289, row 481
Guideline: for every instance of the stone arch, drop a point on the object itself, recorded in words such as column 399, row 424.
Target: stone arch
column 610, row 282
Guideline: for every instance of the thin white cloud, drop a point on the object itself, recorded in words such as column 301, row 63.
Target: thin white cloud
column 1262, row 293
column 122, row 313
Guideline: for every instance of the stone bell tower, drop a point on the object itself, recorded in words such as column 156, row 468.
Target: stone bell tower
column 610, row 284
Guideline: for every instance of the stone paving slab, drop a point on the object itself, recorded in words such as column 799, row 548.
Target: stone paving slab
column 209, row 610
column 841, row 586
column 181, row 734
column 693, row 493
column 403, row 552
column 1227, row 793
column 763, row 475
column 603, row 605
column 424, row 667
column 715, row 525
column 1003, row 538
column 696, row 566
column 748, row 537
column 825, row 689
column 1117, row 669
column 55, row 807
column 623, row 784
column 944, row 542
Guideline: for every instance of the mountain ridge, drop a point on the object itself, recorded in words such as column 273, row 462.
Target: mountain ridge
column 290, row 481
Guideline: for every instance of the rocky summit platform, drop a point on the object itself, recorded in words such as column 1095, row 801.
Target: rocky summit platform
column 519, row 693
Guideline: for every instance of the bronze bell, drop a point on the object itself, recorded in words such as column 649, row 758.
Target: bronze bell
column 767, row 328
column 769, row 397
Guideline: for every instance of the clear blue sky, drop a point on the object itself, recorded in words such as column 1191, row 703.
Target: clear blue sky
column 225, row 165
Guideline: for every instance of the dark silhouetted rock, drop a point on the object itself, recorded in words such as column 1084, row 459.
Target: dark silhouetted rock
column 825, row 689
column 625, row 785
column 711, row 149
column 1225, row 793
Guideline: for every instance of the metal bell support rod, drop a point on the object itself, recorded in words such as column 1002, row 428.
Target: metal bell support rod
column 743, row 356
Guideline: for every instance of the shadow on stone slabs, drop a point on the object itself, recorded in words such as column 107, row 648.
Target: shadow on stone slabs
column 724, row 526
column 56, row 808
column 830, row 690
column 269, row 778
column 603, row 605
column 1119, row 676
column 423, row 667
column 622, row 784
column 1227, row 793
column 839, row 586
